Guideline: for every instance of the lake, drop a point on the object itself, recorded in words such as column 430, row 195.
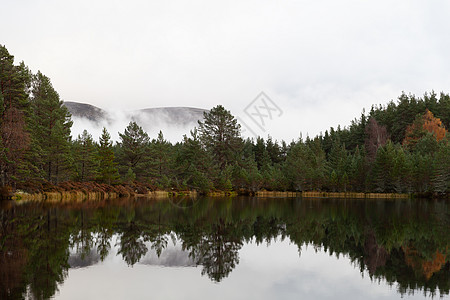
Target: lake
column 226, row 248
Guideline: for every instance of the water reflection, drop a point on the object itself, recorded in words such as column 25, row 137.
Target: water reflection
column 404, row 243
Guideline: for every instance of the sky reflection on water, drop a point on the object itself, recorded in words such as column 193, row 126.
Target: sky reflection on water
column 265, row 271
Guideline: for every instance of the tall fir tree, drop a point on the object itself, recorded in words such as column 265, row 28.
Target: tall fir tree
column 85, row 156
column 221, row 135
column 195, row 164
column 107, row 166
column 161, row 156
column 51, row 125
column 15, row 139
column 338, row 161
column 134, row 149
column 441, row 176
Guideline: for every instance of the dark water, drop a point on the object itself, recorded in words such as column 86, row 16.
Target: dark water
column 239, row 248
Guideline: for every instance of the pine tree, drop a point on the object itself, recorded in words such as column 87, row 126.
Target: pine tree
column 85, row 154
column 14, row 109
column 334, row 181
column 161, row 158
column 195, row 164
column 391, row 170
column 261, row 155
column 441, row 176
column 318, row 164
column 303, row 167
column 221, row 135
column 51, row 125
column 422, row 172
column 107, row 167
column 357, row 170
column 134, row 151
column 274, row 151
column 338, row 161
column 380, row 172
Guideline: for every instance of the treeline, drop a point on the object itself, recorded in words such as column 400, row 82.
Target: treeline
column 401, row 147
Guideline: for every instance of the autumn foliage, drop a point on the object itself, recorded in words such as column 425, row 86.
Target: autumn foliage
column 423, row 124
column 425, row 267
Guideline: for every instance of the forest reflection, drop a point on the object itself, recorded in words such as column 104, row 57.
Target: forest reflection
column 404, row 242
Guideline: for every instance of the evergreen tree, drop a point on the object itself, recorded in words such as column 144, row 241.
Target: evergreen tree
column 441, row 176
column 338, row 162
column 161, row 159
column 357, row 171
column 246, row 174
column 107, row 167
column 261, row 155
column 274, row 151
column 220, row 134
column 195, row 163
column 318, row 164
column 305, row 166
column 15, row 139
column 51, row 127
column 86, row 157
column 134, row 151
column 380, row 177
column 443, row 109
column 391, row 170
column 422, row 172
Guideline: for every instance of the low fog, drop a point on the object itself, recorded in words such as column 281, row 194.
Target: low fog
column 264, row 116
column 117, row 121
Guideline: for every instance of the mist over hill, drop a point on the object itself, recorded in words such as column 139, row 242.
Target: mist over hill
column 173, row 121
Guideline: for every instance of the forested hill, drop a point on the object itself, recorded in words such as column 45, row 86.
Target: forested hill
column 394, row 118
column 403, row 146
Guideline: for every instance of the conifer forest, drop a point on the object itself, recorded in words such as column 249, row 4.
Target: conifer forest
column 401, row 146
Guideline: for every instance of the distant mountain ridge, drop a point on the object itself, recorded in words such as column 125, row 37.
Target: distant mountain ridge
column 176, row 116
column 87, row 111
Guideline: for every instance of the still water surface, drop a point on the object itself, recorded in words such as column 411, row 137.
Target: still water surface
column 238, row 248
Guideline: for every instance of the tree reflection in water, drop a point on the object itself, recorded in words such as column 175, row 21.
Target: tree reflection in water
column 404, row 242
column 217, row 251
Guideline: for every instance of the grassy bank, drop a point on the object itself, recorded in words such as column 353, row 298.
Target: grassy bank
column 80, row 196
column 92, row 191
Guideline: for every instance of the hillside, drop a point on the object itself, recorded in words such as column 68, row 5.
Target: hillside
column 175, row 116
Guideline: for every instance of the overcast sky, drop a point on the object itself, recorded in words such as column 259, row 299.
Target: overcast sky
column 321, row 62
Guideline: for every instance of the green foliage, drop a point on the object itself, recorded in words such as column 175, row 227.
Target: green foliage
column 14, row 111
column 161, row 159
column 195, row 164
column 220, row 134
column 133, row 151
column 86, row 157
column 366, row 156
column 391, row 169
column 51, row 122
column 305, row 166
column 107, row 166
column 129, row 177
column 441, row 175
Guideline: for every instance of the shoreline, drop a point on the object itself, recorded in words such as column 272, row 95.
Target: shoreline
column 81, row 196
